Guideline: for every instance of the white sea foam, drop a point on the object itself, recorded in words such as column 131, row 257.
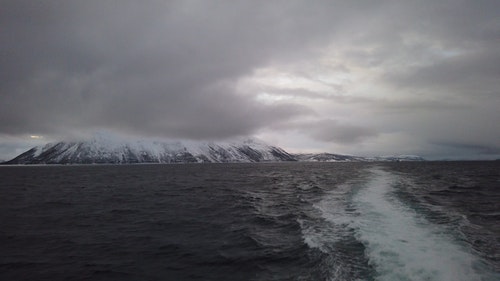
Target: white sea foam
column 399, row 243
column 403, row 246
column 330, row 229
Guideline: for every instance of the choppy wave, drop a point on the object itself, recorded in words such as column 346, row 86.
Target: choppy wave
column 285, row 221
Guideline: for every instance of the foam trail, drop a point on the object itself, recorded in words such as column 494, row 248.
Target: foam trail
column 403, row 246
column 329, row 232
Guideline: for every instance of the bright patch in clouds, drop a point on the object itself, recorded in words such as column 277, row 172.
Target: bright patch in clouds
column 333, row 86
column 278, row 78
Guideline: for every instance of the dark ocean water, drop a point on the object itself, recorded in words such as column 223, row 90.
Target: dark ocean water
column 283, row 221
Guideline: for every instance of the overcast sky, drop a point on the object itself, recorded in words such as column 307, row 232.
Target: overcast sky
column 356, row 77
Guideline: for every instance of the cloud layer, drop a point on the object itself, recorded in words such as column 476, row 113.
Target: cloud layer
column 348, row 77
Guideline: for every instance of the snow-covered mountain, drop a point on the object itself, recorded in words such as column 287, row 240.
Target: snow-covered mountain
column 105, row 148
column 109, row 149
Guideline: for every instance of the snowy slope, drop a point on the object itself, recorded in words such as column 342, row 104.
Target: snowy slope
column 110, row 149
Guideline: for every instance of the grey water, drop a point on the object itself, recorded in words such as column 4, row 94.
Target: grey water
column 263, row 221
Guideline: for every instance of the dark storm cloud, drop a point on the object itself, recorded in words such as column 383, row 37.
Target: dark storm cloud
column 149, row 67
column 171, row 68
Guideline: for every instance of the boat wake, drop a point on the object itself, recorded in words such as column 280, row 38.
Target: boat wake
column 370, row 234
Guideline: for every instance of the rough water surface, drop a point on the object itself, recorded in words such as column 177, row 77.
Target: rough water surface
column 282, row 221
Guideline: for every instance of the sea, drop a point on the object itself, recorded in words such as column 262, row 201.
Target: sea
column 255, row 221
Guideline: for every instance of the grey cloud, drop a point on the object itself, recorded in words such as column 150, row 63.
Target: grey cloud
column 433, row 44
column 139, row 65
column 409, row 106
column 329, row 130
column 462, row 150
column 168, row 68
column 471, row 73
column 470, row 146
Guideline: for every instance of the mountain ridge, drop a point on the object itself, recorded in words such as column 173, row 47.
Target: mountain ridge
column 107, row 149
column 99, row 150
